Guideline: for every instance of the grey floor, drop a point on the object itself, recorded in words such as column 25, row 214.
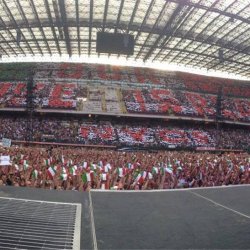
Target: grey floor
column 190, row 219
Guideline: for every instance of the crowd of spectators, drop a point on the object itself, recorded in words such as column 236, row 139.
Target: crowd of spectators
column 13, row 94
column 236, row 109
column 94, row 133
column 55, row 96
column 234, row 138
column 142, row 134
column 128, row 75
column 212, row 85
column 85, row 169
column 183, row 103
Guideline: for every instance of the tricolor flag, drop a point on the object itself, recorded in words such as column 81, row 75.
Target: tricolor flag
column 35, row 174
column 121, row 172
column 169, row 170
column 64, row 177
column 73, row 170
column 51, row 172
column 25, row 165
column 85, row 165
column 129, row 165
column 178, row 163
column 86, row 177
column 162, row 170
column 16, row 167
column 62, row 159
column 104, row 177
column 141, row 177
column 144, row 175
column 23, row 162
column 137, row 178
column 150, row 176
column 64, row 174
column 47, row 162
column 70, row 162
column 93, row 166
column 107, row 167
column 155, row 170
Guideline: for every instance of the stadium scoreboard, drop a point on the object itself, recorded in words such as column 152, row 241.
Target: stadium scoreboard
column 115, row 43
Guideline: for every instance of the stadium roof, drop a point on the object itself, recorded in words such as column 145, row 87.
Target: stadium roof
column 206, row 34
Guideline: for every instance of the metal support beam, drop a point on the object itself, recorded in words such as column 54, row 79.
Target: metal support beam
column 8, row 12
column 183, row 21
column 119, row 15
column 145, row 29
column 105, row 15
column 220, row 42
column 154, row 26
column 215, row 10
column 39, row 25
column 192, row 29
column 4, row 39
column 144, row 20
column 27, row 23
column 65, row 26
column 2, row 50
column 167, row 31
column 52, row 26
column 91, row 6
column 78, row 27
column 133, row 15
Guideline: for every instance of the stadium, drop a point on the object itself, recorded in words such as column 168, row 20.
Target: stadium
column 124, row 124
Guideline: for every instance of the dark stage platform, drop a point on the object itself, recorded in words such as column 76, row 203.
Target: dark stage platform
column 211, row 218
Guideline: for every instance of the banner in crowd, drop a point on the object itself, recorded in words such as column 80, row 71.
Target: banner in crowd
column 6, row 142
column 5, row 160
column 205, row 148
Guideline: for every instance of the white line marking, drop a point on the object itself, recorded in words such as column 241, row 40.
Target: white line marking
column 218, row 204
column 168, row 190
column 92, row 221
column 54, row 202
column 77, row 231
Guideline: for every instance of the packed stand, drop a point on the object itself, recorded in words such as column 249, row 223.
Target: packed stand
column 136, row 136
column 141, row 134
column 166, row 101
column 13, row 94
column 63, row 86
column 55, row 95
column 86, row 169
column 102, row 134
column 236, row 109
column 234, row 138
